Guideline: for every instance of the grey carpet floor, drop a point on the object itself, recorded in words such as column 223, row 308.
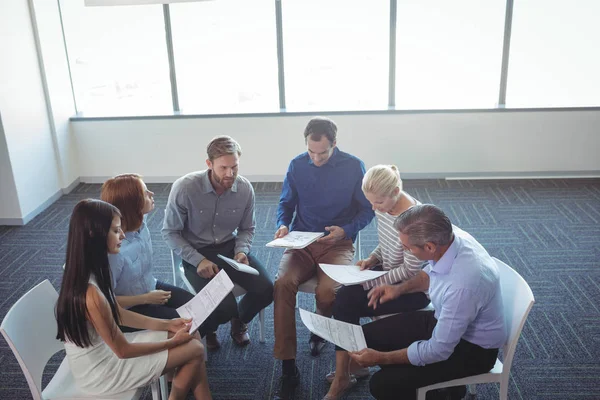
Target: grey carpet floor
column 548, row 230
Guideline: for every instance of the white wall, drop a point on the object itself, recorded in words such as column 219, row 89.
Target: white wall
column 9, row 202
column 531, row 143
column 27, row 130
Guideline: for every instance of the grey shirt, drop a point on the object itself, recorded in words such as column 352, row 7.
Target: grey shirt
column 197, row 217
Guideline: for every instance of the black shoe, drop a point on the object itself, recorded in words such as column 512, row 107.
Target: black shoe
column 316, row 344
column 287, row 386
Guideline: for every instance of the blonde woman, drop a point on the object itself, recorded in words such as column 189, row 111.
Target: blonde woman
column 382, row 186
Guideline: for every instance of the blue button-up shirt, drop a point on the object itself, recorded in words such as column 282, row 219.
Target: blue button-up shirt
column 324, row 196
column 465, row 292
column 131, row 268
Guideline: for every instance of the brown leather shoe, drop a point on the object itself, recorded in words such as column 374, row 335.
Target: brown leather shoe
column 212, row 342
column 239, row 332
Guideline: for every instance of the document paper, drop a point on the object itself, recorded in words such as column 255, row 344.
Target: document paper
column 295, row 240
column 348, row 336
column 205, row 302
column 239, row 266
column 350, row 274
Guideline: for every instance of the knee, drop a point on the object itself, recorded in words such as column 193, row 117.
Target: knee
column 377, row 386
column 325, row 296
column 284, row 285
column 197, row 350
column 267, row 294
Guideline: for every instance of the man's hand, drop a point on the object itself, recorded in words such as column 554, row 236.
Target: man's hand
column 157, row 297
column 241, row 258
column 207, row 269
column 366, row 357
column 176, row 324
column 381, row 294
column 367, row 263
column 281, row 232
column 335, row 233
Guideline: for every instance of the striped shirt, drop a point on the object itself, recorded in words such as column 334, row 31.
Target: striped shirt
column 401, row 263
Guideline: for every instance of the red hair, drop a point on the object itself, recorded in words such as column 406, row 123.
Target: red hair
column 127, row 194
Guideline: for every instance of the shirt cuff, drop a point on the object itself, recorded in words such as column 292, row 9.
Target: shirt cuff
column 196, row 259
column 244, row 250
column 413, row 355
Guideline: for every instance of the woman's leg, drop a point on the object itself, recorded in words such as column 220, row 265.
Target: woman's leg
column 191, row 370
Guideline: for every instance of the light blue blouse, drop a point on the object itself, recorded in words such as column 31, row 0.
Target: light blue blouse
column 132, row 268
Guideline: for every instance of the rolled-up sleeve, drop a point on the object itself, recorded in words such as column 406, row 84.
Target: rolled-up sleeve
column 459, row 309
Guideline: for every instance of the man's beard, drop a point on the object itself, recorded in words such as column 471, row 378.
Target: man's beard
column 226, row 183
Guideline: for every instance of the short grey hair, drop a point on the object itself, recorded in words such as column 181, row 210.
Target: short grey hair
column 222, row 146
column 425, row 223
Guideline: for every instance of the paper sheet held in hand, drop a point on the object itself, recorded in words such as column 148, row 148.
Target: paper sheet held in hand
column 348, row 336
column 239, row 266
column 295, row 240
column 205, row 302
column 350, row 274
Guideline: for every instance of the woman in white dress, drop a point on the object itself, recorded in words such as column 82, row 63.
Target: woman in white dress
column 103, row 360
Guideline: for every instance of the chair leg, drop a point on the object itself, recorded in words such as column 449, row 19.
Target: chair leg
column 261, row 326
column 297, row 298
column 421, row 393
column 504, row 389
column 205, row 349
column 164, row 388
column 155, row 391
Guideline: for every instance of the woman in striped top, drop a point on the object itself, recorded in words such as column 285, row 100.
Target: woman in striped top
column 383, row 188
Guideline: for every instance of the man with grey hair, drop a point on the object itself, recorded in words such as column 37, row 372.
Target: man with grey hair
column 461, row 337
column 211, row 213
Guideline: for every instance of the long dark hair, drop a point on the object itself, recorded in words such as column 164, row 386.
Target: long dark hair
column 87, row 254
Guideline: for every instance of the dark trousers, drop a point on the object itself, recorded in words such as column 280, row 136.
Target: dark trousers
column 401, row 381
column 163, row 311
column 259, row 288
column 351, row 303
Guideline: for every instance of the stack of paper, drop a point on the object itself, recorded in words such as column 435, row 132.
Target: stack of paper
column 349, row 337
column 350, row 274
column 205, row 302
column 295, row 240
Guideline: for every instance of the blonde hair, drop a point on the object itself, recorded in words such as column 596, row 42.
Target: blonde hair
column 382, row 180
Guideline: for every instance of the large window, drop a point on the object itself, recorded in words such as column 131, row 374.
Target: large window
column 555, row 54
column 118, row 59
column 336, row 54
column 448, row 53
column 226, row 56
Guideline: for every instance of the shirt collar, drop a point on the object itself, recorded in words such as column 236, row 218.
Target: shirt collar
column 444, row 264
column 207, row 187
column 333, row 160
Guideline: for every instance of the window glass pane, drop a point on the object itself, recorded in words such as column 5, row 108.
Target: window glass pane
column 336, row 54
column 118, row 59
column 448, row 53
column 226, row 56
column 554, row 54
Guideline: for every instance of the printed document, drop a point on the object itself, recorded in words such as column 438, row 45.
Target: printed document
column 295, row 240
column 239, row 266
column 348, row 336
column 205, row 302
column 350, row 274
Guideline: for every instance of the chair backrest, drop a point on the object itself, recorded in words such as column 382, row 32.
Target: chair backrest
column 30, row 329
column 518, row 300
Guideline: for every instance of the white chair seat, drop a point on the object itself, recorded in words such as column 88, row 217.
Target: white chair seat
column 62, row 387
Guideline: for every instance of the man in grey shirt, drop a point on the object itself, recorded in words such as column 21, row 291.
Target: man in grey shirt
column 211, row 212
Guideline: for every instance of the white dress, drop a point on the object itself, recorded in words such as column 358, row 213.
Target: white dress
column 98, row 370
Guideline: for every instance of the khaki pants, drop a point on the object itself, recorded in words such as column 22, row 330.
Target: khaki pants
column 296, row 267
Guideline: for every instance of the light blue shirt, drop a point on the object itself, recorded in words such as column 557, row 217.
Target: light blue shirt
column 131, row 269
column 464, row 288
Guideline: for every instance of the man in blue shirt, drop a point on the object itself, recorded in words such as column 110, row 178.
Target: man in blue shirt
column 323, row 188
column 461, row 337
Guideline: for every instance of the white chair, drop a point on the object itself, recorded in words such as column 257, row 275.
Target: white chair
column 30, row 329
column 237, row 290
column 518, row 300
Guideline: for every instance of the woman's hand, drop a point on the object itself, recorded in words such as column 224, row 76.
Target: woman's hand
column 157, row 297
column 182, row 335
column 367, row 263
column 176, row 324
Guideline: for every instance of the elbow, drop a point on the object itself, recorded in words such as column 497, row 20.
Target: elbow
column 122, row 352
